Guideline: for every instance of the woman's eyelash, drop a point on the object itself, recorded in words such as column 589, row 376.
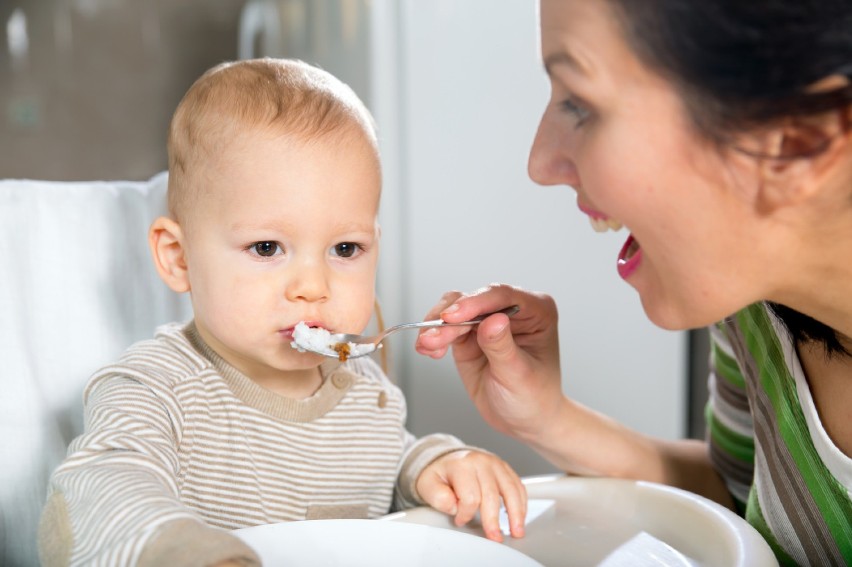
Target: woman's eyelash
column 576, row 109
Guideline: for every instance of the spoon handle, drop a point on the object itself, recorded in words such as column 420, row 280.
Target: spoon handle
column 441, row 323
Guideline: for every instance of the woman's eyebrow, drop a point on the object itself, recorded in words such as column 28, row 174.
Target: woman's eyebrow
column 563, row 58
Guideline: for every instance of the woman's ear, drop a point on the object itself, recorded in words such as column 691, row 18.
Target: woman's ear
column 799, row 158
column 165, row 238
column 801, row 155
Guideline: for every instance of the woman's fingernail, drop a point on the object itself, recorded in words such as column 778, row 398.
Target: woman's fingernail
column 430, row 332
column 451, row 309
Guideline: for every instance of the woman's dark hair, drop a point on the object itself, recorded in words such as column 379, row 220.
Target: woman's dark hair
column 743, row 64
column 805, row 329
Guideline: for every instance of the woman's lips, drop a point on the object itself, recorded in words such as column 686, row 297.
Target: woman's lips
column 629, row 258
column 631, row 253
column 599, row 221
column 591, row 212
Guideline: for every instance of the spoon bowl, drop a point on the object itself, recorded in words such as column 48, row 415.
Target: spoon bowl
column 344, row 346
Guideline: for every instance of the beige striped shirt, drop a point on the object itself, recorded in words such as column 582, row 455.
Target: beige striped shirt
column 180, row 447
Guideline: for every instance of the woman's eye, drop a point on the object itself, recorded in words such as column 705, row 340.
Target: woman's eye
column 265, row 248
column 345, row 249
column 576, row 109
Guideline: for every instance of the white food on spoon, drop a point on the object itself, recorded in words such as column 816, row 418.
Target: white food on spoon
column 319, row 340
column 314, row 339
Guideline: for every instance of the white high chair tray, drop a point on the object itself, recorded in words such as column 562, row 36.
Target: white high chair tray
column 373, row 543
column 609, row 522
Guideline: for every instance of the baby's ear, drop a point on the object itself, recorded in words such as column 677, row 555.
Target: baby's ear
column 165, row 238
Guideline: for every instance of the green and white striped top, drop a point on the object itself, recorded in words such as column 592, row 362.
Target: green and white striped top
column 792, row 483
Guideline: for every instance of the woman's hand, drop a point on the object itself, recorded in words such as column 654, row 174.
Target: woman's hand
column 462, row 482
column 509, row 366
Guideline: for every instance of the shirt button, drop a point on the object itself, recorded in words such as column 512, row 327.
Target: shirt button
column 340, row 381
column 383, row 399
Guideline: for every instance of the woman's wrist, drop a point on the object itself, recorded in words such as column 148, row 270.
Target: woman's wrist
column 558, row 436
column 582, row 441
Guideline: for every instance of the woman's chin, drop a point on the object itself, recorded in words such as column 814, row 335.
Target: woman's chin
column 665, row 316
column 672, row 316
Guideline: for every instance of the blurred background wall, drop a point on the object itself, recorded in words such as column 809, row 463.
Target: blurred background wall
column 87, row 88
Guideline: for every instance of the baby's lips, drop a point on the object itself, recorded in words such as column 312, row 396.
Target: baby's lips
column 287, row 332
column 310, row 323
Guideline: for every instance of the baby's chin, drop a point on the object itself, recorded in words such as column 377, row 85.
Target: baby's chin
column 300, row 361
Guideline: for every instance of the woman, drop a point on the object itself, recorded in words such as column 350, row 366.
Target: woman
column 720, row 134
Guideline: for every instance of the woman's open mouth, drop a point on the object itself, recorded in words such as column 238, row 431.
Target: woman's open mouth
column 630, row 255
column 629, row 258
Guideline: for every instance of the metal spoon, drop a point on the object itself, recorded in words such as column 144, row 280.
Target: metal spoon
column 345, row 345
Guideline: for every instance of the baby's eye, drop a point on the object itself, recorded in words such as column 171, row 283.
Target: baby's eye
column 345, row 249
column 266, row 248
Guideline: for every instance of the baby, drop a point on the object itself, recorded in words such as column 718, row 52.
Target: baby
column 218, row 424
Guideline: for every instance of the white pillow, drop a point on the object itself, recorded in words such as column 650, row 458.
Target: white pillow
column 77, row 288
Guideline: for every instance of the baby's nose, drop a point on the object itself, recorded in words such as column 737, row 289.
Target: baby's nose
column 308, row 283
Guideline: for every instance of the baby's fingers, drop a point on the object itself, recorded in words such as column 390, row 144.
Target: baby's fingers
column 489, row 510
column 438, row 494
column 502, row 483
column 515, row 501
column 468, row 492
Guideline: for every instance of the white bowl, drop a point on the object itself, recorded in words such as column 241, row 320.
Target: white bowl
column 372, row 543
column 608, row 521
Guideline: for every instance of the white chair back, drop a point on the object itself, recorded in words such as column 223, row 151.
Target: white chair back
column 77, row 287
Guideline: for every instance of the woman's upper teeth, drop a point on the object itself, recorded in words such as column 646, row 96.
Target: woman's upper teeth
column 604, row 224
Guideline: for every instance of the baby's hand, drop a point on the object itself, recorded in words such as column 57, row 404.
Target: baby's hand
column 461, row 482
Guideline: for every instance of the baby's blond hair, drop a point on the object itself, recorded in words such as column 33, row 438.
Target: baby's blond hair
column 278, row 95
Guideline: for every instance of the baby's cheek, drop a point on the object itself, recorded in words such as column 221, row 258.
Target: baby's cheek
column 362, row 308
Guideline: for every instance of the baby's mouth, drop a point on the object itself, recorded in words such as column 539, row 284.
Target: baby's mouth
column 288, row 332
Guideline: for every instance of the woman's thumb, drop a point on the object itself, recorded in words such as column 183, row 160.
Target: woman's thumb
column 495, row 339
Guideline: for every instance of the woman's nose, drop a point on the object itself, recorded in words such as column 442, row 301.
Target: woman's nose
column 309, row 282
column 550, row 161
